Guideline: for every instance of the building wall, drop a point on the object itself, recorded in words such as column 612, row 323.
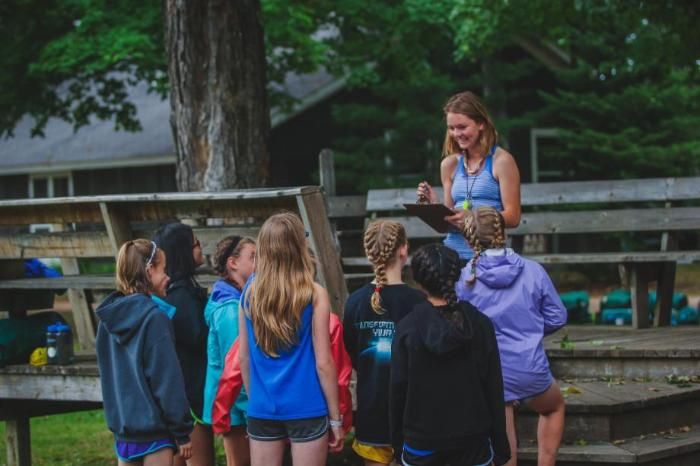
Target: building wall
column 149, row 179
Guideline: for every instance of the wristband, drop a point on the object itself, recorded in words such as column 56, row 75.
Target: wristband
column 336, row 423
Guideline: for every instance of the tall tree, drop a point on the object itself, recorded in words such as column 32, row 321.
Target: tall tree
column 75, row 60
column 220, row 117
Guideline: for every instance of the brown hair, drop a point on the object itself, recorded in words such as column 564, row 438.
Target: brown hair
column 283, row 285
column 468, row 104
column 382, row 239
column 230, row 246
column 484, row 228
column 132, row 260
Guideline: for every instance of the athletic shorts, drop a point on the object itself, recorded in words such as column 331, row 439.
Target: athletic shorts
column 377, row 453
column 296, row 430
column 136, row 451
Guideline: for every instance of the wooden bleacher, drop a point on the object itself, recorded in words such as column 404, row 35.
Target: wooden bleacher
column 95, row 227
column 574, row 218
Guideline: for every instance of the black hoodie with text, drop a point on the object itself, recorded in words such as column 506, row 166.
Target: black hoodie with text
column 447, row 388
column 143, row 390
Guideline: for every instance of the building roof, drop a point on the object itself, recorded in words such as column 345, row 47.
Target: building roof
column 99, row 145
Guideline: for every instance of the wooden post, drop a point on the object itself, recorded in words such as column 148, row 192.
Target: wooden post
column 18, row 442
column 665, row 283
column 312, row 209
column 82, row 313
column 639, row 287
column 117, row 225
column 326, row 168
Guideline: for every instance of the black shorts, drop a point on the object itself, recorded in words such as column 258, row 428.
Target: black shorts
column 296, row 430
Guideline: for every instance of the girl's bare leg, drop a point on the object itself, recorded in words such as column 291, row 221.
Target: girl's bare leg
column 236, row 447
column 163, row 457
column 266, row 453
column 512, row 435
column 550, row 427
column 313, row 453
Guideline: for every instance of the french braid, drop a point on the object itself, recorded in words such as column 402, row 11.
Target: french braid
column 436, row 268
column 381, row 241
column 484, row 228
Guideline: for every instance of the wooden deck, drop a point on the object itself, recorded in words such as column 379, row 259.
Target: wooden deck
column 602, row 340
column 622, row 352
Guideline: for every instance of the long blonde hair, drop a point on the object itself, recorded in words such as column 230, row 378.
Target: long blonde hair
column 283, row 285
column 468, row 104
column 382, row 239
column 484, row 228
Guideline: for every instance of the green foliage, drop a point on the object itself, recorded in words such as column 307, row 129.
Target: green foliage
column 74, row 59
column 626, row 106
column 630, row 104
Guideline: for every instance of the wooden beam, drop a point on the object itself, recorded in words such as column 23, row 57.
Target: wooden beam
column 92, row 282
column 64, row 244
column 50, row 387
column 117, row 225
column 18, row 442
column 327, row 171
column 639, row 287
column 585, row 221
column 10, row 409
column 666, row 278
column 312, row 210
column 346, row 206
column 565, row 192
column 584, row 258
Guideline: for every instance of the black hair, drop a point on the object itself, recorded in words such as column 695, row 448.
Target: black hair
column 436, row 268
column 177, row 241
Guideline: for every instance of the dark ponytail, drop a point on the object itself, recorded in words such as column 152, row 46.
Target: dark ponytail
column 436, row 268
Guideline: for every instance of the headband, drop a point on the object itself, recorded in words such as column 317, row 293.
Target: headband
column 153, row 254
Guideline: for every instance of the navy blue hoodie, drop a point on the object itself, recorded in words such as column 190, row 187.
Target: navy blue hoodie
column 142, row 385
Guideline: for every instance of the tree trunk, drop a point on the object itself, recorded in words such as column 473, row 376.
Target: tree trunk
column 219, row 112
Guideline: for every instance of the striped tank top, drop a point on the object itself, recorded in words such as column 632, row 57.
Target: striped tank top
column 484, row 190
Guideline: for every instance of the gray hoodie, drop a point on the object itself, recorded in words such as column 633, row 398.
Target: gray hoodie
column 142, row 385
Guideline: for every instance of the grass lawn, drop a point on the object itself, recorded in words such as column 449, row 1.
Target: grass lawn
column 82, row 439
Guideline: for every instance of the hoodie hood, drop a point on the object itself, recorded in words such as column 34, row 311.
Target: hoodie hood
column 224, row 291
column 498, row 271
column 122, row 315
column 437, row 332
column 221, row 293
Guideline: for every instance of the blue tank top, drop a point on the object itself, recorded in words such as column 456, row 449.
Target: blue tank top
column 286, row 387
column 484, row 190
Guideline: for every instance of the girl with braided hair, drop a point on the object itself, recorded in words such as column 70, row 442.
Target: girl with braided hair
column 446, row 403
column 371, row 313
column 521, row 301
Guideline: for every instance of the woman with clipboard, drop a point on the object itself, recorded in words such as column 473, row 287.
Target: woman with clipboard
column 474, row 171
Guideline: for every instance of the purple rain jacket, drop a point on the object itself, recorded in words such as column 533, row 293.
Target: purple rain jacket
column 521, row 301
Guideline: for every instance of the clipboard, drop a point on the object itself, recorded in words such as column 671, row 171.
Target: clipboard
column 432, row 214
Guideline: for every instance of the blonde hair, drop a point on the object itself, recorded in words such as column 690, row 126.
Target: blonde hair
column 133, row 258
column 468, row 104
column 484, row 228
column 382, row 239
column 283, row 285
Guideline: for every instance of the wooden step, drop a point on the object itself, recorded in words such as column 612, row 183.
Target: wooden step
column 604, row 351
column 669, row 448
column 618, row 409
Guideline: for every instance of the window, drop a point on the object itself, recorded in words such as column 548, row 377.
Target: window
column 53, row 185
column 50, row 185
